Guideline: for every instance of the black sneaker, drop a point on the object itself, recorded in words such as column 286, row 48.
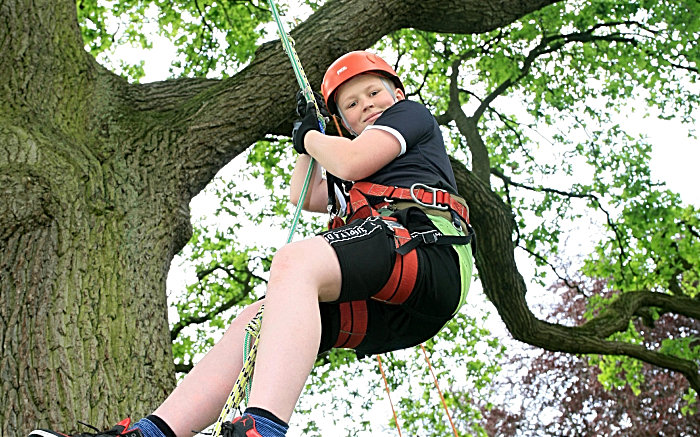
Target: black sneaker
column 243, row 426
column 120, row 429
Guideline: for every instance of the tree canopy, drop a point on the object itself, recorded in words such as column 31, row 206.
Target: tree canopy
column 99, row 171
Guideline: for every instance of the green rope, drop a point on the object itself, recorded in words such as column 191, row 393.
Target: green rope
column 288, row 45
column 246, row 354
column 244, row 381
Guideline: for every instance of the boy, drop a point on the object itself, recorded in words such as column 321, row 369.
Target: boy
column 389, row 279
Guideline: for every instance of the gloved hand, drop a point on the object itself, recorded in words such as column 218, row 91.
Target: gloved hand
column 301, row 104
column 301, row 127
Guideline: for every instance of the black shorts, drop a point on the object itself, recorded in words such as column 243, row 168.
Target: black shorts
column 366, row 252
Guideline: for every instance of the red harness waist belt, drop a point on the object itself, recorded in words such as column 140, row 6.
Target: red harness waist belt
column 419, row 193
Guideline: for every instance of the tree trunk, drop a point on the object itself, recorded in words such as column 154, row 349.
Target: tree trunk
column 95, row 180
column 88, row 227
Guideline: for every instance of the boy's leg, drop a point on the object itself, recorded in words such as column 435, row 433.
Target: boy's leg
column 196, row 403
column 302, row 274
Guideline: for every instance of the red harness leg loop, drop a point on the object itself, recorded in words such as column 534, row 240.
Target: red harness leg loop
column 403, row 276
column 353, row 324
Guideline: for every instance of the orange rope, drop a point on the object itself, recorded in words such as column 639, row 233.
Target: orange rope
column 386, row 385
column 444, row 404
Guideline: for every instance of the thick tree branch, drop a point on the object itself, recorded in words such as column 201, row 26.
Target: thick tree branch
column 688, row 368
column 467, row 126
column 443, row 119
column 227, row 116
column 506, row 289
column 616, row 317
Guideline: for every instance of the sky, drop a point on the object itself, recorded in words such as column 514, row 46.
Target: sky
column 675, row 158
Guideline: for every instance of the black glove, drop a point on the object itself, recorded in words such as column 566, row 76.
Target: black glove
column 301, row 104
column 301, row 127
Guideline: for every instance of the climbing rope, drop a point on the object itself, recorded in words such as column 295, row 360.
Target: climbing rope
column 388, row 394
column 444, row 404
column 288, row 45
column 243, row 383
column 236, row 396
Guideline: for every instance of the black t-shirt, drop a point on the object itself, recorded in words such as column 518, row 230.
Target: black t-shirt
column 423, row 158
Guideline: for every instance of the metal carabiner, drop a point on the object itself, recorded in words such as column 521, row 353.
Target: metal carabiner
column 434, row 205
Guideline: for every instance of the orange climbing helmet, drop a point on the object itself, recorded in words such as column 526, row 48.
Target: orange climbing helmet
column 350, row 65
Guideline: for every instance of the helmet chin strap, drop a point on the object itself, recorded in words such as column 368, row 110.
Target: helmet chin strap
column 346, row 124
column 389, row 87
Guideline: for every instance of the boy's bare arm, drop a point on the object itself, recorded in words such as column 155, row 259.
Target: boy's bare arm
column 317, row 194
column 353, row 160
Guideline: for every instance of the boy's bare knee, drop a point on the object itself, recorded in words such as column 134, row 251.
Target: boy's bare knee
column 296, row 257
column 286, row 261
column 312, row 261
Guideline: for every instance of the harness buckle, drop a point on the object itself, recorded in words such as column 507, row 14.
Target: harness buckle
column 456, row 220
column 430, row 238
column 433, row 205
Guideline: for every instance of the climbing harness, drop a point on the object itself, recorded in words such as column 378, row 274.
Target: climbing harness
column 402, row 280
column 353, row 317
column 403, row 276
column 243, row 383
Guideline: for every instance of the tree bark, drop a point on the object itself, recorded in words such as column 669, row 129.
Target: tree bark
column 88, row 226
column 96, row 176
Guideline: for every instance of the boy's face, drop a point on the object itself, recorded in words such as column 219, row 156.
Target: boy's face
column 362, row 100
